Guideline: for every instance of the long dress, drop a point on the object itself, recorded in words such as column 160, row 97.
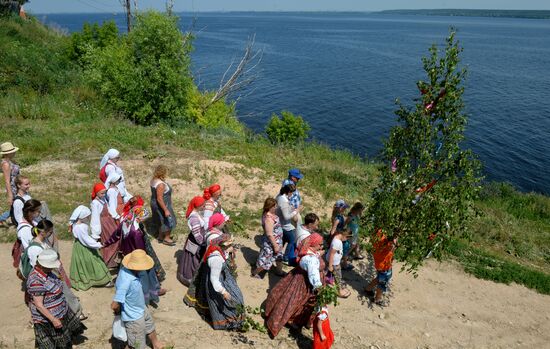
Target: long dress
column 87, row 266
column 292, row 300
column 193, row 249
column 159, row 221
column 108, row 226
column 210, row 304
column 132, row 238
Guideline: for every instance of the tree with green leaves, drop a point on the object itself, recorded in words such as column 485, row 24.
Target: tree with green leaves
column 428, row 181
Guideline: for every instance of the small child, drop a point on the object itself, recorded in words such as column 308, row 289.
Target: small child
column 323, row 338
column 334, row 257
column 383, row 258
column 338, row 226
column 354, row 218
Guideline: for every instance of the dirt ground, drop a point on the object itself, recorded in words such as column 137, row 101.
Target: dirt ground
column 442, row 308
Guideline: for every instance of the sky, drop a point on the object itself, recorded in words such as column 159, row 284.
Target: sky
column 80, row 6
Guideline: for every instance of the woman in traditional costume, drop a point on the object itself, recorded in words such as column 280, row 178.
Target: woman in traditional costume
column 195, row 245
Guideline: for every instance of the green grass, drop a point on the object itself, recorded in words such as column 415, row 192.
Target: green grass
column 57, row 117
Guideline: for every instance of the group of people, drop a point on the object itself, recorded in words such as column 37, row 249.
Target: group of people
column 111, row 240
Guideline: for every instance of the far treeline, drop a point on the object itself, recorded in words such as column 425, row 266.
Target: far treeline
column 533, row 14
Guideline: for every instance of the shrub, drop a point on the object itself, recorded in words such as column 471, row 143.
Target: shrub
column 92, row 36
column 288, row 128
column 145, row 75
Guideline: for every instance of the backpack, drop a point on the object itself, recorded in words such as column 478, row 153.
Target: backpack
column 103, row 174
column 25, row 266
column 12, row 213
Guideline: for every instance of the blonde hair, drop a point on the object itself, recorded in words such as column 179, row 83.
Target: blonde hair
column 160, row 172
column 19, row 180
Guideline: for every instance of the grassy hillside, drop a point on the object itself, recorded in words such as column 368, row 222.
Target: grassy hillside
column 49, row 113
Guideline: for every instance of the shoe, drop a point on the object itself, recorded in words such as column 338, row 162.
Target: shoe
column 110, row 284
column 168, row 243
column 82, row 317
column 162, row 292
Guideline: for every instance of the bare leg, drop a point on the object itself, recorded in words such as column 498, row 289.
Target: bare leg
column 155, row 341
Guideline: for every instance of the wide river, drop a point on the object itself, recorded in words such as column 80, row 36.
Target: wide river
column 342, row 72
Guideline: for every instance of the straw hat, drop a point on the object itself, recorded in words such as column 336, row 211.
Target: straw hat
column 48, row 259
column 7, row 148
column 138, row 260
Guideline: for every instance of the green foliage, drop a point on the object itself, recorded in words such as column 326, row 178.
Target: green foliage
column 217, row 115
column 31, row 57
column 249, row 323
column 145, row 75
column 485, row 265
column 287, row 128
column 8, row 8
column 428, row 187
column 327, row 295
column 92, row 36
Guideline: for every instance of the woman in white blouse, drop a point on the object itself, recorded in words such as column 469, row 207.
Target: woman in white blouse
column 103, row 224
column 31, row 211
column 108, row 166
column 87, row 266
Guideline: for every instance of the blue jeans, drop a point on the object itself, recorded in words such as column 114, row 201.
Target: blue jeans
column 384, row 278
column 290, row 251
column 4, row 216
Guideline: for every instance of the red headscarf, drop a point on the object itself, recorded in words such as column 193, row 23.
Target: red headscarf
column 215, row 220
column 136, row 201
column 211, row 190
column 313, row 240
column 97, row 188
column 193, row 204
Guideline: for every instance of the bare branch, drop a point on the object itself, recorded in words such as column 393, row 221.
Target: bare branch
column 241, row 77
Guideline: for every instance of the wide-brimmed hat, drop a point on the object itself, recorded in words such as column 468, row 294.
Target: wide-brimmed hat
column 7, row 148
column 138, row 260
column 48, row 258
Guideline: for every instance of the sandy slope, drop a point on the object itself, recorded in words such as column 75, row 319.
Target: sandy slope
column 442, row 308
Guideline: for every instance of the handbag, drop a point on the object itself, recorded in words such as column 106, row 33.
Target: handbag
column 119, row 331
column 192, row 247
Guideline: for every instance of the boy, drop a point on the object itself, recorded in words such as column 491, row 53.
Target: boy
column 383, row 258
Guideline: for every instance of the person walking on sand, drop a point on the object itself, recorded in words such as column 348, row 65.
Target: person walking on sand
column 195, row 245
column 10, row 170
column 164, row 219
column 109, row 165
column 103, row 225
column 288, row 218
column 383, row 249
column 129, row 301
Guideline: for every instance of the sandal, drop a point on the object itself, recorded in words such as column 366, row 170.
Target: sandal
column 346, row 295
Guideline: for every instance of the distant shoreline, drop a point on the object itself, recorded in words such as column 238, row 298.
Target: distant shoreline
column 530, row 14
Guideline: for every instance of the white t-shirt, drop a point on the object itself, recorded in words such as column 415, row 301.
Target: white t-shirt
column 24, row 233
column 337, row 245
column 18, row 207
column 34, row 251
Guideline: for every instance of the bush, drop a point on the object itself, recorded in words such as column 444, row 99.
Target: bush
column 217, row 115
column 145, row 75
column 92, row 36
column 288, row 128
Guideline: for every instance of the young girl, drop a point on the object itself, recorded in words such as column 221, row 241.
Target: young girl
column 354, row 218
column 338, row 225
column 334, row 257
column 23, row 185
column 323, row 338
column 31, row 211
column 103, row 225
column 87, row 266
column 10, row 170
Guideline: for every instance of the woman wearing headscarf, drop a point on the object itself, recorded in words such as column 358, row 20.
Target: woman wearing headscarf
column 212, row 195
column 195, row 245
column 87, row 266
column 54, row 323
column 164, row 219
column 103, row 224
column 109, row 165
column 131, row 236
column 292, row 300
column 217, row 296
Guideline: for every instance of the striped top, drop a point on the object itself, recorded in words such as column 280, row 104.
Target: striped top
column 51, row 288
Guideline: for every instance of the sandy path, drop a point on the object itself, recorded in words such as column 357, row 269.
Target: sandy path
column 442, row 308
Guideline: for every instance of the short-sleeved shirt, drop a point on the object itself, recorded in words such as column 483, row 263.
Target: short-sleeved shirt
column 129, row 293
column 51, row 288
column 337, row 245
column 383, row 253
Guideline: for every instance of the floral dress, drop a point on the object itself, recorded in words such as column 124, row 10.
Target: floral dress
column 267, row 256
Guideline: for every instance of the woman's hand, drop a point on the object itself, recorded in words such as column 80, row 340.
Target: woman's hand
column 167, row 213
column 226, row 296
column 57, row 323
column 323, row 337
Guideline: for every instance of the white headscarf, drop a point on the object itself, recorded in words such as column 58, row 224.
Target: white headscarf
column 110, row 154
column 80, row 212
column 113, row 178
